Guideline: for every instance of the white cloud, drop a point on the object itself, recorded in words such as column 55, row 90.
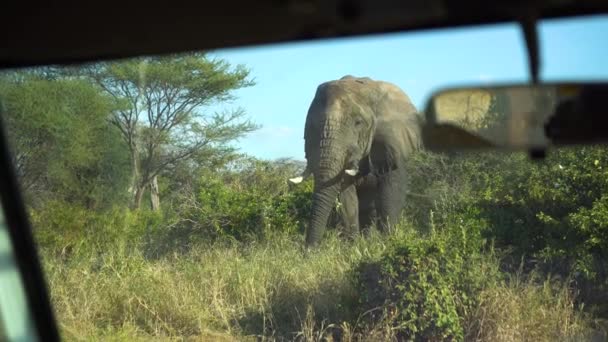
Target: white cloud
column 485, row 78
column 274, row 136
column 274, row 142
column 273, row 132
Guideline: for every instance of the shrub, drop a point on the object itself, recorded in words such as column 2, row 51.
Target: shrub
column 250, row 202
column 66, row 229
column 425, row 286
column 253, row 203
column 550, row 213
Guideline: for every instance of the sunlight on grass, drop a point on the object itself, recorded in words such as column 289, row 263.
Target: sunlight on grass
column 224, row 289
column 271, row 290
column 530, row 310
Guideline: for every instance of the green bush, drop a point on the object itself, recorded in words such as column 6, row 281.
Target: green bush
column 253, row 203
column 65, row 229
column 544, row 211
column 426, row 286
column 548, row 216
column 550, row 211
column 249, row 202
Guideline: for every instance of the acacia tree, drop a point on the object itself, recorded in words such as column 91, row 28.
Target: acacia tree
column 62, row 145
column 163, row 111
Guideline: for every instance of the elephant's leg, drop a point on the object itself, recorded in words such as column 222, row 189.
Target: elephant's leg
column 366, row 191
column 367, row 216
column 390, row 198
column 349, row 211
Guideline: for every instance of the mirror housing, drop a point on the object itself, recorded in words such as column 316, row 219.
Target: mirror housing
column 516, row 117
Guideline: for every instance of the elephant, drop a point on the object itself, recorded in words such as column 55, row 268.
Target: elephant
column 358, row 135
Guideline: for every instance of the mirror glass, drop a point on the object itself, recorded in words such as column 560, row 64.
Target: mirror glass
column 511, row 117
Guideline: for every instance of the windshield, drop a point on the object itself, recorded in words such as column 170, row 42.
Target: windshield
column 283, row 192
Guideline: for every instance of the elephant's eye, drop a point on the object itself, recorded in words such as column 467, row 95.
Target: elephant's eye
column 358, row 122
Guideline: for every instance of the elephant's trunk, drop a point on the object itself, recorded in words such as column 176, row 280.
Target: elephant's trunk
column 322, row 203
column 328, row 180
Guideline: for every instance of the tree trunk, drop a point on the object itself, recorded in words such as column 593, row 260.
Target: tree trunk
column 154, row 194
column 137, row 198
column 137, row 186
column 134, row 183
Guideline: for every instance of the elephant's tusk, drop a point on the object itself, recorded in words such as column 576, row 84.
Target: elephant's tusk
column 296, row 180
column 351, row 172
column 303, row 176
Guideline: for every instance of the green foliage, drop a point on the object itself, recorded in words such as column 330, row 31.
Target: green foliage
column 247, row 200
column 543, row 214
column 426, row 286
column 253, row 201
column 82, row 137
column 549, row 216
column 551, row 210
column 162, row 110
column 63, row 146
column 71, row 231
column 593, row 225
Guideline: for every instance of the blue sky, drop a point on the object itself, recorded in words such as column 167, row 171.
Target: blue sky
column 420, row 63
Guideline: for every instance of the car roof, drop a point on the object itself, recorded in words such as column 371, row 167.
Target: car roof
column 64, row 31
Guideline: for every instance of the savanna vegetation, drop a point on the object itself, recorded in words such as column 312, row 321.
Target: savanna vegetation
column 151, row 226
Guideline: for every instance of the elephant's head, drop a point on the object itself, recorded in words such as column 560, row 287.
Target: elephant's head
column 338, row 135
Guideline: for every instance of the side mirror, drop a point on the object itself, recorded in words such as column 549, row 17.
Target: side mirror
column 516, row 117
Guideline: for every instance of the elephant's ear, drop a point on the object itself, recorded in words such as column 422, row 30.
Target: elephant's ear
column 308, row 139
column 372, row 133
column 383, row 157
column 365, row 166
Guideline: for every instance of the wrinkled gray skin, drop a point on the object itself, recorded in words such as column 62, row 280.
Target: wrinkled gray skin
column 358, row 135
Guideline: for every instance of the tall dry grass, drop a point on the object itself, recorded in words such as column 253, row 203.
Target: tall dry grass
column 267, row 290
column 270, row 291
column 531, row 309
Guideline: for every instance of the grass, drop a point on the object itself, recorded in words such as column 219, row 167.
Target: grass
column 235, row 291
column 530, row 309
column 270, row 291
